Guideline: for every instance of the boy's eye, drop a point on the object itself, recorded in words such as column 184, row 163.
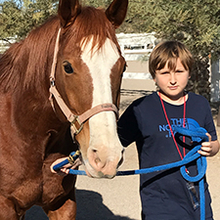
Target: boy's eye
column 179, row 71
column 166, row 72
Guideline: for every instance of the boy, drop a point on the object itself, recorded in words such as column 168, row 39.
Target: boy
column 149, row 122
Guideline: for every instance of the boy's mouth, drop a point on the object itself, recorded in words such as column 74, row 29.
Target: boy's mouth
column 173, row 87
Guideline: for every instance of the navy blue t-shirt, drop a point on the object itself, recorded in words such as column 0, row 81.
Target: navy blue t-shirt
column 164, row 195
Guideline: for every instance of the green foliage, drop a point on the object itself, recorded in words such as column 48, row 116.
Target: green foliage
column 17, row 18
column 97, row 3
column 196, row 23
column 9, row 26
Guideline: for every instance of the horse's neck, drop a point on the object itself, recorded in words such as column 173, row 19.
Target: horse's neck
column 30, row 115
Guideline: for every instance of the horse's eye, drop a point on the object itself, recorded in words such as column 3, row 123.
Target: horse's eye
column 68, row 67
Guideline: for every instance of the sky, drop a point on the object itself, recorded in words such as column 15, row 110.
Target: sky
column 1, row 1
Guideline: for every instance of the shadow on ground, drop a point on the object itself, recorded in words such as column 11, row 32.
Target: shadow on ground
column 89, row 207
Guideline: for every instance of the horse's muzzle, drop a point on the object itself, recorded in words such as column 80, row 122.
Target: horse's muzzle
column 99, row 165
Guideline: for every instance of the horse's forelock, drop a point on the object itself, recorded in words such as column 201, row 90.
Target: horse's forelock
column 91, row 23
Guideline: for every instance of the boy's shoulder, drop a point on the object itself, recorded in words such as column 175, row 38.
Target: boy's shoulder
column 149, row 99
column 152, row 100
column 196, row 97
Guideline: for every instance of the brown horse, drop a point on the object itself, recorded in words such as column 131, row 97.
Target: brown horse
column 81, row 48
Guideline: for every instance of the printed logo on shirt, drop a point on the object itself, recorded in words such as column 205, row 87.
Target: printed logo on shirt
column 174, row 122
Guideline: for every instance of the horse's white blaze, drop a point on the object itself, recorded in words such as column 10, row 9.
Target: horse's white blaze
column 103, row 132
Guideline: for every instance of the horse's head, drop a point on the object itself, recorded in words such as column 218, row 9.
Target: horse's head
column 88, row 74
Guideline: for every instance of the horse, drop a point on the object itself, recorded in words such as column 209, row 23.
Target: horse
column 60, row 91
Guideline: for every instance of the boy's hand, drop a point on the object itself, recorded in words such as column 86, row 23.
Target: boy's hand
column 65, row 169
column 209, row 148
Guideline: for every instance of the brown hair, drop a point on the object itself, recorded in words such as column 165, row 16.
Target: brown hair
column 170, row 51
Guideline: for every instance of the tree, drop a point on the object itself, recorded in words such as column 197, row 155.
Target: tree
column 97, row 3
column 8, row 27
column 195, row 23
column 17, row 18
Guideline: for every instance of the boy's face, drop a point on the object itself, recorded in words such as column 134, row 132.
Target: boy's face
column 172, row 82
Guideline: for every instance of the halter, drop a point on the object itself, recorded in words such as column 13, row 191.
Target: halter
column 76, row 121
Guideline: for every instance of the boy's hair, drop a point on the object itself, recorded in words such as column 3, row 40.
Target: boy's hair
column 170, row 51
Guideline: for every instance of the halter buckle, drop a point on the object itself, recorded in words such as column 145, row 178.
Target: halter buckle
column 76, row 119
column 52, row 81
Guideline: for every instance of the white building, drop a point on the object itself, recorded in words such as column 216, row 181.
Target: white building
column 136, row 46
column 136, row 49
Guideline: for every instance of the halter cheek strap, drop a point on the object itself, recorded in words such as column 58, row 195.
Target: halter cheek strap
column 76, row 121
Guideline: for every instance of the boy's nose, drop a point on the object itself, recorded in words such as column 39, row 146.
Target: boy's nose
column 172, row 79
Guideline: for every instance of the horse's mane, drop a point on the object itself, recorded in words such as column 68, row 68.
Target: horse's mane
column 29, row 61
column 26, row 62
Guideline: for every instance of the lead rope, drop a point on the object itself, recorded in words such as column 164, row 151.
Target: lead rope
column 198, row 135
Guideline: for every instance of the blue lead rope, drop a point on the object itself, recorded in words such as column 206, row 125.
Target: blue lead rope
column 72, row 157
column 198, row 135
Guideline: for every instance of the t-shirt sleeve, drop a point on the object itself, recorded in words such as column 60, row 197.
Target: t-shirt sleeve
column 209, row 123
column 128, row 130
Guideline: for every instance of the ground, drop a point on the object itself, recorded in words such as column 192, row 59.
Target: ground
column 118, row 199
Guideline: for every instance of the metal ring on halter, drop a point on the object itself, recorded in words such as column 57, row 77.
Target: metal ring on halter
column 52, row 81
column 73, row 156
column 73, row 126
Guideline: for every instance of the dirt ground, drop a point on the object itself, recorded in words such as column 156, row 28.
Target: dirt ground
column 118, row 199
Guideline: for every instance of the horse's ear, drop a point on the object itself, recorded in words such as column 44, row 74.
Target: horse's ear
column 116, row 12
column 68, row 11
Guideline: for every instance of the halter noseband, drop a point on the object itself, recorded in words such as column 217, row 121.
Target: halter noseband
column 76, row 121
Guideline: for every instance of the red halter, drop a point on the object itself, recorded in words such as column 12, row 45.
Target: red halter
column 73, row 119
